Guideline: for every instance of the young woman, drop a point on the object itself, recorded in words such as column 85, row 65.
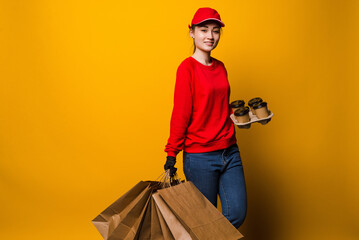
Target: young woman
column 201, row 125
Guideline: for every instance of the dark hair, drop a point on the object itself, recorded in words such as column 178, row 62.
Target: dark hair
column 201, row 24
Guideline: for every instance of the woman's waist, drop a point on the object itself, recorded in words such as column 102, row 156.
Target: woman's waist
column 193, row 146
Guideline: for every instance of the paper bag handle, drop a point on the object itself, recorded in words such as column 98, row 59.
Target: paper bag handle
column 167, row 181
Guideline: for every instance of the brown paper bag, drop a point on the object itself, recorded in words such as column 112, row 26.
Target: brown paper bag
column 197, row 214
column 110, row 218
column 176, row 228
column 145, row 226
column 166, row 233
column 156, row 231
column 151, row 227
column 130, row 224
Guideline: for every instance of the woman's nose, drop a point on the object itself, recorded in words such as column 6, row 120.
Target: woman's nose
column 210, row 35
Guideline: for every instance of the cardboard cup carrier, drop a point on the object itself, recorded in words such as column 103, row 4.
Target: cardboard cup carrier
column 259, row 112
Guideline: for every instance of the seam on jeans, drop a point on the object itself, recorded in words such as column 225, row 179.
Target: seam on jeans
column 225, row 197
column 189, row 166
column 223, row 157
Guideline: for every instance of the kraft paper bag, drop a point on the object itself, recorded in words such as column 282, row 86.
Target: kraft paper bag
column 110, row 218
column 151, row 227
column 145, row 226
column 166, row 233
column 176, row 228
column 128, row 228
column 156, row 231
column 197, row 214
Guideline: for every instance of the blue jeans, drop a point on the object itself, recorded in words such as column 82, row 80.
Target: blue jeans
column 220, row 172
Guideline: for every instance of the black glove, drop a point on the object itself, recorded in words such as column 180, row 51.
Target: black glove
column 170, row 164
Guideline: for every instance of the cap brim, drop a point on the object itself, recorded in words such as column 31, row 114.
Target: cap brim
column 215, row 19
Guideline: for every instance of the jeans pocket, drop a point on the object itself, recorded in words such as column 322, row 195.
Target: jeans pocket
column 235, row 156
column 232, row 149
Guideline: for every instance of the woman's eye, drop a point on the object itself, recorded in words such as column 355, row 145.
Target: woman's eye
column 206, row 31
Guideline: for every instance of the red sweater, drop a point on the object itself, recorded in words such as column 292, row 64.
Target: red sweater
column 200, row 120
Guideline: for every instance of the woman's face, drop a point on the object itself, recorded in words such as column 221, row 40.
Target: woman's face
column 206, row 36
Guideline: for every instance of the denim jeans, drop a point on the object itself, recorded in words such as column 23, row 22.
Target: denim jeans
column 220, row 172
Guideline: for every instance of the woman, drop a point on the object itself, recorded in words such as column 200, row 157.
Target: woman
column 201, row 124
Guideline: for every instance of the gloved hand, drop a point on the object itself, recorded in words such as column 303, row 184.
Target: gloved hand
column 170, row 164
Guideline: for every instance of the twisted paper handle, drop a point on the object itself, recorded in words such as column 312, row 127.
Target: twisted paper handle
column 167, row 181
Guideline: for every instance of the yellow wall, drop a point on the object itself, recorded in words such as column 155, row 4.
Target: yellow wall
column 86, row 94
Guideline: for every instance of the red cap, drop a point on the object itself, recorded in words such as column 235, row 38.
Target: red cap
column 204, row 14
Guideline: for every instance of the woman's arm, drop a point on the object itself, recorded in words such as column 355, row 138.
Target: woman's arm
column 182, row 111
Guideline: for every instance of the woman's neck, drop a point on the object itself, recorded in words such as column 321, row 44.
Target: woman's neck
column 204, row 58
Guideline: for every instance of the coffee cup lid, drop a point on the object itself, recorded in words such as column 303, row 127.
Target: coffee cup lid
column 253, row 101
column 237, row 103
column 242, row 111
column 260, row 105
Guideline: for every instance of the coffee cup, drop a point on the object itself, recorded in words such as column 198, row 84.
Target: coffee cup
column 261, row 110
column 237, row 104
column 253, row 102
column 242, row 115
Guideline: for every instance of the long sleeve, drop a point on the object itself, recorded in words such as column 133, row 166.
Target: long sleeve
column 182, row 111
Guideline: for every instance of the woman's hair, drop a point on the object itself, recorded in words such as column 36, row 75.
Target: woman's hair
column 199, row 25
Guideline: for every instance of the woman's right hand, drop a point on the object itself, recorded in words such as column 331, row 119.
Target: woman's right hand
column 170, row 164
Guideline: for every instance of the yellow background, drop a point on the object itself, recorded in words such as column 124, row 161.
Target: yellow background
column 86, row 95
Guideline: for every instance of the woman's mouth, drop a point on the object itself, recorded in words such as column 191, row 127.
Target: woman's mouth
column 209, row 43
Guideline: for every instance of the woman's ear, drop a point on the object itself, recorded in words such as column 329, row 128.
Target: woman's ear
column 191, row 33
